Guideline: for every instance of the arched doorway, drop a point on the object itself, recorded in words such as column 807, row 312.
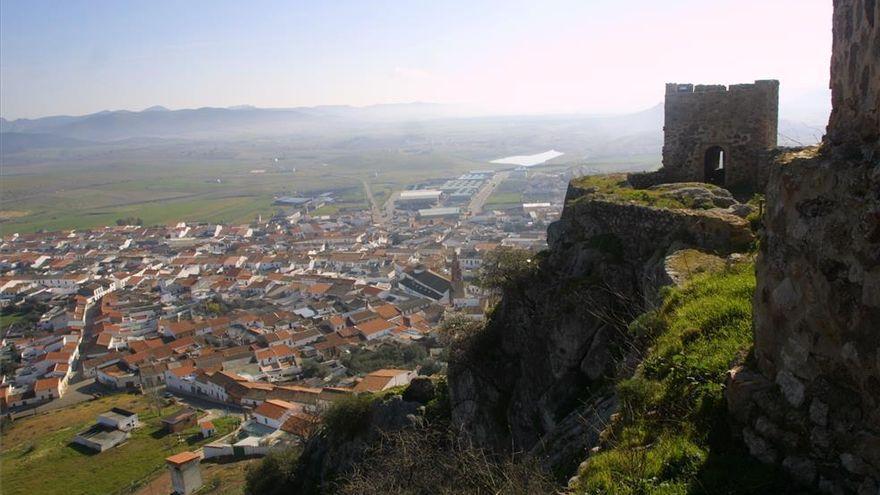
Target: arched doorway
column 713, row 166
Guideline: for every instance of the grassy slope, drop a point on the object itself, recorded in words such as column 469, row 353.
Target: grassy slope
column 672, row 436
column 37, row 456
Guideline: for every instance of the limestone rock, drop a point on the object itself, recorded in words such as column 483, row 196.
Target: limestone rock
column 741, row 210
column 701, row 196
column 327, row 455
column 819, row 412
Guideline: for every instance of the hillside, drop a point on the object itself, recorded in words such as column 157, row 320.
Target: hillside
column 576, row 359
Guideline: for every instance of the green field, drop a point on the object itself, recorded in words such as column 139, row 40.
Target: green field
column 93, row 187
column 508, row 194
column 38, row 457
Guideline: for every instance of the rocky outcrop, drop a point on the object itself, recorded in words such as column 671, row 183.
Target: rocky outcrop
column 811, row 400
column 333, row 453
column 540, row 377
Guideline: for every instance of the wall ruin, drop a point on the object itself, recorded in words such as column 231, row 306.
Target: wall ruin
column 705, row 122
column 810, row 400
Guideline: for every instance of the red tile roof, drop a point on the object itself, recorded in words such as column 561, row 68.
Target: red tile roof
column 182, row 458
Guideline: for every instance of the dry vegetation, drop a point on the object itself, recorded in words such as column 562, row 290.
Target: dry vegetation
column 430, row 460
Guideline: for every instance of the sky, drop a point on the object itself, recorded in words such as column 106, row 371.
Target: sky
column 75, row 57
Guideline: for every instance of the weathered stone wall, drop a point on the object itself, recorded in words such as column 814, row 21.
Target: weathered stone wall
column 811, row 399
column 855, row 75
column 741, row 119
column 815, row 404
column 644, row 229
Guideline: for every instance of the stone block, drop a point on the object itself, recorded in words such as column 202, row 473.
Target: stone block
column 803, row 470
column 792, row 389
column 819, row 412
column 758, row 447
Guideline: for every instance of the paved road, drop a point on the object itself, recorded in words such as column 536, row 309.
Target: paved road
column 476, row 205
column 215, row 409
column 80, row 391
column 378, row 217
column 389, row 206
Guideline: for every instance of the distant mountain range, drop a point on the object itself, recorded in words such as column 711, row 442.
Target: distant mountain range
column 634, row 133
column 158, row 121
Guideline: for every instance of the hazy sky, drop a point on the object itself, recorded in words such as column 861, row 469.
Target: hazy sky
column 76, row 57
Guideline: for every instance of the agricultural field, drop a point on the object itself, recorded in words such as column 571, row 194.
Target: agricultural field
column 37, row 453
column 228, row 182
column 508, row 194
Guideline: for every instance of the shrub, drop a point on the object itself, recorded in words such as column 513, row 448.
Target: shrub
column 348, row 417
column 505, row 266
column 273, row 475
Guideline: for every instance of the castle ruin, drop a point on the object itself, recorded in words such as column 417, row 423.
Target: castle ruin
column 717, row 134
column 810, row 398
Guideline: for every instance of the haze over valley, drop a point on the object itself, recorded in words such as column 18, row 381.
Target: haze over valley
column 67, row 171
column 384, row 247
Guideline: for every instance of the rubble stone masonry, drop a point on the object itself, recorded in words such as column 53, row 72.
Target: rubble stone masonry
column 741, row 120
column 810, row 399
column 855, row 76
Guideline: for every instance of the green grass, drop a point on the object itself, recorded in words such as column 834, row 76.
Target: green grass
column 504, row 198
column 509, row 194
column 37, row 456
column 672, row 435
column 614, row 187
column 7, row 320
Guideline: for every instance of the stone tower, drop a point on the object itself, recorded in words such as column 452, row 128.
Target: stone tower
column 457, row 291
column 811, row 399
column 720, row 135
column 717, row 134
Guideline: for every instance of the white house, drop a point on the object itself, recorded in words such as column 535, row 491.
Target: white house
column 273, row 412
column 119, row 419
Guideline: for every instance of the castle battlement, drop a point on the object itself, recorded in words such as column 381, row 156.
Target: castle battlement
column 717, row 134
column 685, row 89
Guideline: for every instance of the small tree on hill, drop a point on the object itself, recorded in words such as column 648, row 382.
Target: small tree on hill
column 504, row 266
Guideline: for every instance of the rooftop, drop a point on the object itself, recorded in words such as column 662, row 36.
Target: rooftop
column 117, row 414
column 182, row 458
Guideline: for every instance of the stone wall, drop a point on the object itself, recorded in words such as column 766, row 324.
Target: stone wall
column 855, row 75
column 644, row 229
column 811, row 399
column 741, row 119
